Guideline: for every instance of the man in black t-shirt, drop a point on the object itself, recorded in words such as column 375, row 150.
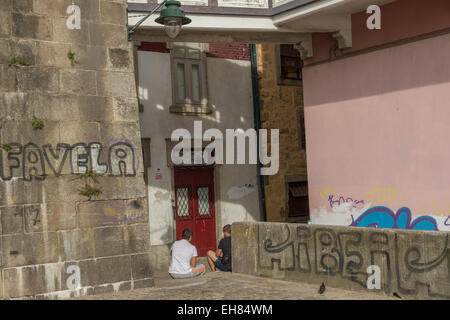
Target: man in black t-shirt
column 221, row 259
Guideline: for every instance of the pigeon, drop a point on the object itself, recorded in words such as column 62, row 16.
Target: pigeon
column 395, row 294
column 322, row 288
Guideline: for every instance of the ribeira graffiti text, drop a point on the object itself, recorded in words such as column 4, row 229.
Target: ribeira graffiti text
column 31, row 161
column 415, row 264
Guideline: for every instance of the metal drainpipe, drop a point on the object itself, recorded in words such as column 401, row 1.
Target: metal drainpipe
column 257, row 124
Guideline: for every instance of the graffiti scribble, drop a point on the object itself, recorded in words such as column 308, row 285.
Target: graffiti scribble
column 342, row 200
column 382, row 217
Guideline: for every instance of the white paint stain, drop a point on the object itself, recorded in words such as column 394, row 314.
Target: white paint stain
column 235, row 193
column 339, row 216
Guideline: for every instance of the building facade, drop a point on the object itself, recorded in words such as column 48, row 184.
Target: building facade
column 281, row 107
column 376, row 120
column 181, row 84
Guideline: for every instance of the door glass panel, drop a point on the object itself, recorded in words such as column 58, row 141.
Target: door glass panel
column 196, row 82
column 203, row 201
column 181, row 81
column 182, row 202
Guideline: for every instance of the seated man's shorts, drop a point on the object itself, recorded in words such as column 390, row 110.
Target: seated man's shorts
column 197, row 271
column 220, row 266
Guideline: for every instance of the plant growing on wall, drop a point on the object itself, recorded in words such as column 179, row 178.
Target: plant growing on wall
column 89, row 190
column 13, row 62
column 71, row 56
column 37, row 124
column 6, row 147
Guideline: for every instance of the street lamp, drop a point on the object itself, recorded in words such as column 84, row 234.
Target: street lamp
column 172, row 17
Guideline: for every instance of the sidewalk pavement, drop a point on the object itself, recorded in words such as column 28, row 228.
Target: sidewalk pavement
column 232, row 286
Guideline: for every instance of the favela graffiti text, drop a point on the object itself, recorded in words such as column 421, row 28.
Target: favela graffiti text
column 31, row 161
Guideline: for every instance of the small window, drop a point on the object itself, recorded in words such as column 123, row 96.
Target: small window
column 298, row 200
column 290, row 65
column 189, row 78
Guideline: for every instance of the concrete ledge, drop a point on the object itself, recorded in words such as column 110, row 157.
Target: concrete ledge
column 412, row 264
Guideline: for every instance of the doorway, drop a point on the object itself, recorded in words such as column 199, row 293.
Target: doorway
column 194, row 205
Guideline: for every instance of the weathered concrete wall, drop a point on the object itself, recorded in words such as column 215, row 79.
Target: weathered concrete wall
column 279, row 107
column 55, row 242
column 413, row 264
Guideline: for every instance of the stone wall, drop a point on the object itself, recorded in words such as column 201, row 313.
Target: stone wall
column 411, row 264
column 279, row 105
column 69, row 127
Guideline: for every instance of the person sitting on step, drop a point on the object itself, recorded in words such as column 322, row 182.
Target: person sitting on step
column 221, row 259
column 183, row 263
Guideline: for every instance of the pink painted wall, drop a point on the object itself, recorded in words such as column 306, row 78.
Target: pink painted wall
column 402, row 19
column 378, row 131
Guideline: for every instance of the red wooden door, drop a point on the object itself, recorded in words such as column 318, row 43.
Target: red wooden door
column 194, row 201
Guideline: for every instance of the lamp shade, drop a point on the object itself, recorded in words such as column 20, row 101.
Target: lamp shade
column 172, row 17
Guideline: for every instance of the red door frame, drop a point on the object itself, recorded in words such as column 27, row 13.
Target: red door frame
column 203, row 226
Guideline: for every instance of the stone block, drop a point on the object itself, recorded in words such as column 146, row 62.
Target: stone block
column 116, row 84
column 94, row 108
column 138, row 238
column 23, row 6
column 78, row 82
column 89, row 57
column 5, row 51
column 108, row 35
column 23, row 132
column 55, row 107
column 40, row 79
column 245, row 246
column 145, row 283
column 76, row 244
column 110, row 241
column 53, row 54
column 29, row 249
column 113, row 12
column 51, row 7
column 24, row 50
column 101, row 213
column 62, row 189
column 122, row 132
column 5, row 26
column 120, row 59
column 115, row 269
column 6, row 5
column 12, row 219
column 52, row 216
column 141, row 266
column 79, row 132
column 16, row 106
column 7, row 78
column 125, row 109
column 105, row 271
column 32, row 26
column 26, row 281
column 18, row 191
column 62, row 34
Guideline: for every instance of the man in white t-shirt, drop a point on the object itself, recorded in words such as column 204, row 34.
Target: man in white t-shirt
column 184, row 258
